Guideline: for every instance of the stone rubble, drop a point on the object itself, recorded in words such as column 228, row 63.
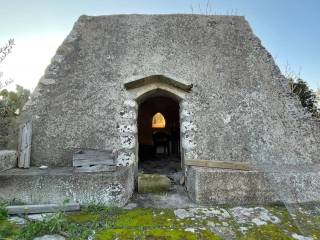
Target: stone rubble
column 258, row 215
column 50, row 237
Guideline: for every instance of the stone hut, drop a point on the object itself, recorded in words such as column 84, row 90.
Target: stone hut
column 225, row 104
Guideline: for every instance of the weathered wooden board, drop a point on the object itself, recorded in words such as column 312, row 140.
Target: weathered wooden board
column 92, row 161
column 24, row 148
column 95, row 168
column 94, row 152
column 89, row 160
column 42, row 208
column 219, row 164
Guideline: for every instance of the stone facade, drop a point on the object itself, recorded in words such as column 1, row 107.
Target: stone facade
column 318, row 99
column 239, row 98
column 8, row 159
column 239, row 108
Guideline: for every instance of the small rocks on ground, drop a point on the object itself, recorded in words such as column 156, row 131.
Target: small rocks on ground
column 258, row 215
column 17, row 220
column 39, row 217
column 50, row 237
column 300, row 237
column 130, row 206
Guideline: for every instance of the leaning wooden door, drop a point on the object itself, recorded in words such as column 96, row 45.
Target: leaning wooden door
column 24, row 148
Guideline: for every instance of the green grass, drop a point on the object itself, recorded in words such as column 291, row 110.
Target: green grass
column 3, row 211
column 148, row 223
column 153, row 234
column 267, row 232
column 8, row 230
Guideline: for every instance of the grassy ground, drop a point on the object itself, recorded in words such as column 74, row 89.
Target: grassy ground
column 100, row 222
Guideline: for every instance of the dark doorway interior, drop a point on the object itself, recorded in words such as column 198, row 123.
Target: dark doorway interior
column 159, row 135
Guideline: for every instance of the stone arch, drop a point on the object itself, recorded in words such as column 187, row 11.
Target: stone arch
column 148, row 86
column 138, row 90
column 157, row 79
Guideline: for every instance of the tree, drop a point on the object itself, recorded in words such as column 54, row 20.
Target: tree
column 306, row 95
column 318, row 99
column 4, row 51
column 11, row 102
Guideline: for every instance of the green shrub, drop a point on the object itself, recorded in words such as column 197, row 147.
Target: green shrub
column 3, row 211
column 56, row 224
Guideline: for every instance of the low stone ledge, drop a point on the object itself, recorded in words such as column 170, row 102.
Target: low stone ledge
column 295, row 184
column 36, row 186
column 8, row 159
column 225, row 186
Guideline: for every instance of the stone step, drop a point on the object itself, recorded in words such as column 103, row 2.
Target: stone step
column 42, row 208
column 153, row 183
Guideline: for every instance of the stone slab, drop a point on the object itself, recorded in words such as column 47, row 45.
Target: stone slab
column 36, row 186
column 153, row 183
column 42, row 208
column 8, row 159
column 226, row 186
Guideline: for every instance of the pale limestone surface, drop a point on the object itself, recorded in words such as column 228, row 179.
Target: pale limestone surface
column 239, row 109
column 35, row 186
column 8, row 159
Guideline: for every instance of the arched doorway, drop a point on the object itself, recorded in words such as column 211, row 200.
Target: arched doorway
column 157, row 94
column 159, row 134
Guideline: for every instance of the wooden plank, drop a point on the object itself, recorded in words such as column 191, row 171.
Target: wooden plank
column 219, row 164
column 42, row 208
column 24, row 148
column 95, row 168
column 89, row 160
column 81, row 156
column 88, row 157
column 82, row 162
column 93, row 151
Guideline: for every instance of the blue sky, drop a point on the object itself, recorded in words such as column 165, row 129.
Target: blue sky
column 289, row 29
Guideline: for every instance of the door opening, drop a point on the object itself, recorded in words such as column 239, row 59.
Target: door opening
column 159, row 135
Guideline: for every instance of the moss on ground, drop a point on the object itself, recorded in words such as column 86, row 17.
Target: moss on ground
column 149, row 224
column 308, row 224
column 83, row 217
column 266, row 232
column 148, row 217
column 8, row 230
column 178, row 234
column 112, row 234
column 156, row 234
column 153, row 183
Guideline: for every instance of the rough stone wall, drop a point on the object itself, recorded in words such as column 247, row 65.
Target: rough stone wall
column 35, row 186
column 8, row 159
column 238, row 110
